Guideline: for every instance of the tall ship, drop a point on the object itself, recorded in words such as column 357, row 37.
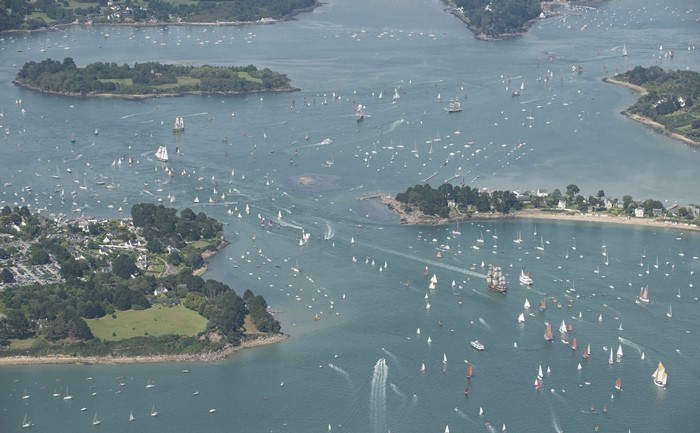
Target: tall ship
column 495, row 279
column 359, row 113
column 455, row 106
column 162, row 154
column 179, row 124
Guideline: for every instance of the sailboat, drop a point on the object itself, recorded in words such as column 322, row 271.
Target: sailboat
column 150, row 384
column 624, row 50
column 162, row 154
column 359, row 113
column 548, row 332
column 669, row 313
column 619, row 352
column 521, row 318
column 610, row 360
column 26, row 423
column 179, row 124
column 396, row 95
column 541, row 246
column 131, row 416
column 587, row 351
column 618, row 384
column 643, row 295
column 96, row 421
column 519, row 240
column 154, row 412
column 469, row 371
column 455, row 106
column 574, row 345
column 660, row 376
column 495, row 280
column 526, row 305
column 67, row 396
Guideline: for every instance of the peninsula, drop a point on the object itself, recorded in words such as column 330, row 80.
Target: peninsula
column 423, row 205
column 146, row 79
column 124, row 291
column 666, row 100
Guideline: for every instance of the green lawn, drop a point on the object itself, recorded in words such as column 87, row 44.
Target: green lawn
column 249, row 77
column 157, row 320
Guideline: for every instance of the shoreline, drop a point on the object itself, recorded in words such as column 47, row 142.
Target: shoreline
column 218, row 355
column 136, row 97
column 656, row 126
column 418, row 218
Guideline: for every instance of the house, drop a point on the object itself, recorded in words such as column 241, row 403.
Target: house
column 561, row 205
column 541, row 192
column 639, row 212
column 656, row 212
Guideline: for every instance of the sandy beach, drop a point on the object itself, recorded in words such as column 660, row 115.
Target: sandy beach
column 111, row 360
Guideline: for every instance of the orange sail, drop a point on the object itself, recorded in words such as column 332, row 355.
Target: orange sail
column 469, row 371
column 548, row 332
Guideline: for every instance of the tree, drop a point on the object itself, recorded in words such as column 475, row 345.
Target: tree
column 571, row 191
column 124, row 266
column 6, row 276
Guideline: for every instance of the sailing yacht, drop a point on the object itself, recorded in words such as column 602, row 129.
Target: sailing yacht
column 669, row 313
column 95, row 420
column 660, row 376
column 619, row 352
column 131, row 416
column 519, row 240
column 179, row 124
column 162, row 154
column 26, row 423
column 643, row 295
column 154, row 412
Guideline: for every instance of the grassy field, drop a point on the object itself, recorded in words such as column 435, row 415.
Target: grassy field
column 157, row 320
column 249, row 77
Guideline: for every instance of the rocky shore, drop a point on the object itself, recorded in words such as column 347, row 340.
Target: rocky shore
column 213, row 356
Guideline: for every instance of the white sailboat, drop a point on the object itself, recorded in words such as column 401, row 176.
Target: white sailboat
column 521, row 318
column 526, row 305
column 131, row 416
column 154, row 412
column 162, row 154
column 619, row 352
column 610, row 360
column 624, row 50
column 150, row 384
column 669, row 313
column 26, row 423
column 95, row 420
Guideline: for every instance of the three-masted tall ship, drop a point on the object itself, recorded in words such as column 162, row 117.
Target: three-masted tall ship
column 495, row 279
column 179, row 124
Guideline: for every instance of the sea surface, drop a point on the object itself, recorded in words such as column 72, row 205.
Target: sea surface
column 358, row 368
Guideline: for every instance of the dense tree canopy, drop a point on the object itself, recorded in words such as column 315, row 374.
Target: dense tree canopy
column 435, row 201
column 670, row 99
column 150, row 78
column 499, row 17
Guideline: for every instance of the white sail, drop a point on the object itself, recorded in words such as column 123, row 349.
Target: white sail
column 521, row 318
column 527, row 304
column 162, row 154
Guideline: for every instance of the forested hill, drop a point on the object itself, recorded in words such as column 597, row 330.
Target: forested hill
column 670, row 100
column 35, row 14
column 496, row 18
column 151, row 78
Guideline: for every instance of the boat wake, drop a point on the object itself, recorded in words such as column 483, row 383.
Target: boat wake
column 395, row 124
column 339, row 370
column 555, row 424
column 377, row 398
column 390, row 355
column 397, row 391
column 330, row 231
column 631, row 344
column 484, row 323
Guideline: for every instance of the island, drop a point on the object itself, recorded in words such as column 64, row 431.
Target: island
column 122, row 291
column 424, row 205
column 146, row 79
column 43, row 14
column 666, row 101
